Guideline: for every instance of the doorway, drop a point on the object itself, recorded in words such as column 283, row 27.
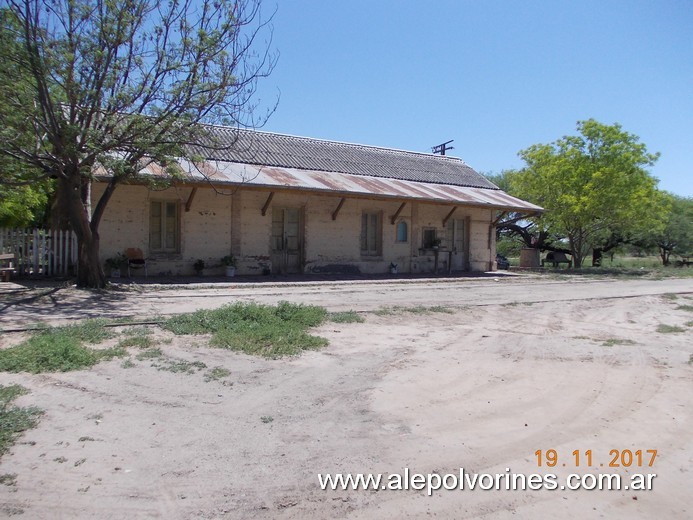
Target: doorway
column 287, row 240
column 456, row 235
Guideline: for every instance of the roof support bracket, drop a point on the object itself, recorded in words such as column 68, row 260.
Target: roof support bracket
column 269, row 200
column 447, row 217
column 399, row 210
column 338, row 209
column 188, row 203
column 499, row 218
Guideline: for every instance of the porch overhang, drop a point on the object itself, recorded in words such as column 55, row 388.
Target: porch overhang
column 219, row 173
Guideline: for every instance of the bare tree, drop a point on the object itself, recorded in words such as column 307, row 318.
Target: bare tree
column 117, row 83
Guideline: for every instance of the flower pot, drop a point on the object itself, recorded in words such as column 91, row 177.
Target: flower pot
column 230, row 271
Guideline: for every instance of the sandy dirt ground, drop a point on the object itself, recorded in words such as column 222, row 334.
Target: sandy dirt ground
column 518, row 365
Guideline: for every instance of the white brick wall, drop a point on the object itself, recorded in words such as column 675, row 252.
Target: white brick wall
column 217, row 225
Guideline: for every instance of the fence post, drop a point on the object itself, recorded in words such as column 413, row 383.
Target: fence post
column 36, row 248
column 47, row 252
column 73, row 237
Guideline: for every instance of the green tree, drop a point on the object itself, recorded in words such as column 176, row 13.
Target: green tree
column 118, row 84
column 24, row 206
column 677, row 235
column 526, row 230
column 592, row 185
column 23, row 200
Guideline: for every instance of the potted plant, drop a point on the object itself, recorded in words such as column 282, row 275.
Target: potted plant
column 114, row 265
column 436, row 243
column 199, row 266
column 393, row 268
column 229, row 261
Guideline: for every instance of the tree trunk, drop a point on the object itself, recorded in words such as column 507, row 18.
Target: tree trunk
column 576, row 250
column 664, row 255
column 597, row 254
column 89, row 270
column 89, row 273
column 59, row 217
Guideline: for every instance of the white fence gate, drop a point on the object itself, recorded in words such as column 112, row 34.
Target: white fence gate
column 47, row 252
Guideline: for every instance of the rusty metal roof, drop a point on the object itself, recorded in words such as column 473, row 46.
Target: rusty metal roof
column 271, row 177
column 285, row 151
column 274, row 161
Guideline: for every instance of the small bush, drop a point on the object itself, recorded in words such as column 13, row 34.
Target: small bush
column 47, row 352
column 137, row 331
column 89, row 331
column 270, row 342
column 136, row 341
column 180, row 366
column 303, row 315
column 13, row 419
column 416, row 309
column 346, row 317
column 8, row 479
column 668, row 329
column 152, row 353
column 10, row 393
column 110, row 353
column 615, row 341
column 262, row 330
column 59, row 349
column 217, row 373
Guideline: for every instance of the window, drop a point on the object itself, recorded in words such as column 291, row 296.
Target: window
column 402, row 231
column 429, row 238
column 371, row 233
column 164, row 227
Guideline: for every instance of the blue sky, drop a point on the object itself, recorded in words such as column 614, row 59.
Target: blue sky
column 495, row 76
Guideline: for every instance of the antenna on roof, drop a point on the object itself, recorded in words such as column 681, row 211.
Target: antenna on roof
column 442, row 148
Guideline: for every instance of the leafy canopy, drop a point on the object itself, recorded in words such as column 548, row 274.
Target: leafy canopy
column 23, row 201
column 106, row 87
column 676, row 237
column 111, row 81
column 592, row 185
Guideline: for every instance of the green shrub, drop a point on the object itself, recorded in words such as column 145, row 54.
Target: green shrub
column 269, row 331
column 668, row 329
column 57, row 350
column 346, row 317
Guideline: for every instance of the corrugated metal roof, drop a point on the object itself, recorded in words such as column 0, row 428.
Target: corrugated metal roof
column 233, row 173
column 285, row 151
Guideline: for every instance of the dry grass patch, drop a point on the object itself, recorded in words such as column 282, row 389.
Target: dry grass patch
column 13, row 419
column 669, row 329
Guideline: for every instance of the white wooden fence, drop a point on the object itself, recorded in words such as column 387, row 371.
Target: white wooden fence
column 46, row 252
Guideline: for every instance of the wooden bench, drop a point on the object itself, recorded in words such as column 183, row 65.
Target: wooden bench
column 556, row 258
column 6, row 270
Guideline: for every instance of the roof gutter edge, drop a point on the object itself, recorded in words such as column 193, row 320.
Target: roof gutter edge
column 342, row 193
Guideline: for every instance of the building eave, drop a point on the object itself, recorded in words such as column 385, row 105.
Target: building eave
column 231, row 174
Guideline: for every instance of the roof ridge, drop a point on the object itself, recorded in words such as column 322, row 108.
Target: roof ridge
column 242, row 145
column 427, row 155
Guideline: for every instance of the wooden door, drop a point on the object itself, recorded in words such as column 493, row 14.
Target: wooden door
column 456, row 231
column 287, row 240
